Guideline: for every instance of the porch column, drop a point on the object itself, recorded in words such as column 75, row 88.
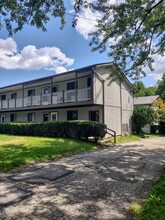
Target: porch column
column 76, row 84
column 22, row 95
column 51, row 98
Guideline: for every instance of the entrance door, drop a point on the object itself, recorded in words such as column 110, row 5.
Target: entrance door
column 54, row 116
column 94, row 116
column 3, row 118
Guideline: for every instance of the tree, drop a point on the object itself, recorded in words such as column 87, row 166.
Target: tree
column 17, row 13
column 159, row 107
column 131, row 31
column 142, row 116
column 161, row 87
column 141, row 90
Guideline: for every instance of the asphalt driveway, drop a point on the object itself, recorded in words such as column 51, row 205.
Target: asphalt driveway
column 93, row 185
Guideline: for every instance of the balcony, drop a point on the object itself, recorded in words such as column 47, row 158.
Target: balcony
column 48, row 99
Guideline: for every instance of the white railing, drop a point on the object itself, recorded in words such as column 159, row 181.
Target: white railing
column 58, row 97
column 19, row 103
column 84, row 94
column 70, row 96
column 4, row 104
column 12, row 103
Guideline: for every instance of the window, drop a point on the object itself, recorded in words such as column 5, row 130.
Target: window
column 31, row 92
column 72, row 115
column 54, row 116
column 71, row 86
column 45, row 91
column 54, row 89
column 3, row 118
column 89, row 81
column 13, row 117
column 45, row 117
column 31, row 117
column 3, row 97
column 14, row 95
column 94, row 116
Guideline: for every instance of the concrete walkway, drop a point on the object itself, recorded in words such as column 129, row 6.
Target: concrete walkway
column 94, row 185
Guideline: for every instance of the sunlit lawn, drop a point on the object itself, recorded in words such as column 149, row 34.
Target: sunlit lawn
column 19, row 150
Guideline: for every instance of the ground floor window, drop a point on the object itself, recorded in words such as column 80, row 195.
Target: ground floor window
column 31, row 117
column 3, row 118
column 72, row 115
column 94, row 116
column 45, row 117
column 13, row 117
column 54, row 116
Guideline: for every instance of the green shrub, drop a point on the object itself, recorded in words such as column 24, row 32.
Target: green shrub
column 69, row 129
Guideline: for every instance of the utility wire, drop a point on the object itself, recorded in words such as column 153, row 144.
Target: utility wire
column 90, row 19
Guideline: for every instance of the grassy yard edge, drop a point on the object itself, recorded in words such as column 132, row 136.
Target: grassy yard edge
column 153, row 208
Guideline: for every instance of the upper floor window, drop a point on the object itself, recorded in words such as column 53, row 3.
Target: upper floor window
column 45, row 91
column 89, row 81
column 31, row 92
column 3, row 97
column 54, row 89
column 13, row 117
column 14, row 95
column 72, row 115
column 71, row 85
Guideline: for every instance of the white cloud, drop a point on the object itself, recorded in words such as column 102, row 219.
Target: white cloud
column 87, row 19
column 32, row 58
column 158, row 66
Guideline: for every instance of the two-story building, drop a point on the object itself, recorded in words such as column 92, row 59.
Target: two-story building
column 82, row 94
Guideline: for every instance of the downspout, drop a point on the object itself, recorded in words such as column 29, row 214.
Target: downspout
column 121, row 108
column 103, row 96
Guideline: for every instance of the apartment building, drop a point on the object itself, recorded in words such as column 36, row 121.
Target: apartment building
column 82, row 94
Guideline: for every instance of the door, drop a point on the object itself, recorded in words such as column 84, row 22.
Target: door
column 94, row 116
column 3, row 118
column 54, row 116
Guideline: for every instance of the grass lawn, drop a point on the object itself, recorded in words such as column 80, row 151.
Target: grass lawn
column 19, row 150
column 153, row 208
column 123, row 139
column 134, row 137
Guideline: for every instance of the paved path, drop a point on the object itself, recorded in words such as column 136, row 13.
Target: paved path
column 94, row 185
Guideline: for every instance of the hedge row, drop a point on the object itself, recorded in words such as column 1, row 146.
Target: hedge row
column 69, row 129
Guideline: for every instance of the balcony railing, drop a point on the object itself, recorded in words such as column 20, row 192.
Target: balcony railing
column 47, row 99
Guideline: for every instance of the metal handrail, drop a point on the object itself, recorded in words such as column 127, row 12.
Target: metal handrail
column 113, row 135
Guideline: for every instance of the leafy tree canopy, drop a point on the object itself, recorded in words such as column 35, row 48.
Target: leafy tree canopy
column 142, row 116
column 161, row 88
column 130, row 31
column 141, row 90
column 159, row 107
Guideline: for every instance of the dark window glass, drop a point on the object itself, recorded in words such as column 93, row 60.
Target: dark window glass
column 3, row 97
column 45, row 91
column 45, row 117
column 71, row 86
column 13, row 117
column 72, row 115
column 54, row 89
column 89, row 81
column 31, row 117
column 31, row 92
column 14, row 95
column 94, row 116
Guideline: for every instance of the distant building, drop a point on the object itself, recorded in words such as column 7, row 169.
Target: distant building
column 145, row 101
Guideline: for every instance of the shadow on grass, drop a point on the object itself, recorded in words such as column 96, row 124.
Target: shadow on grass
column 14, row 155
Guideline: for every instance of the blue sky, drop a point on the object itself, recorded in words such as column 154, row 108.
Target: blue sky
column 32, row 54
